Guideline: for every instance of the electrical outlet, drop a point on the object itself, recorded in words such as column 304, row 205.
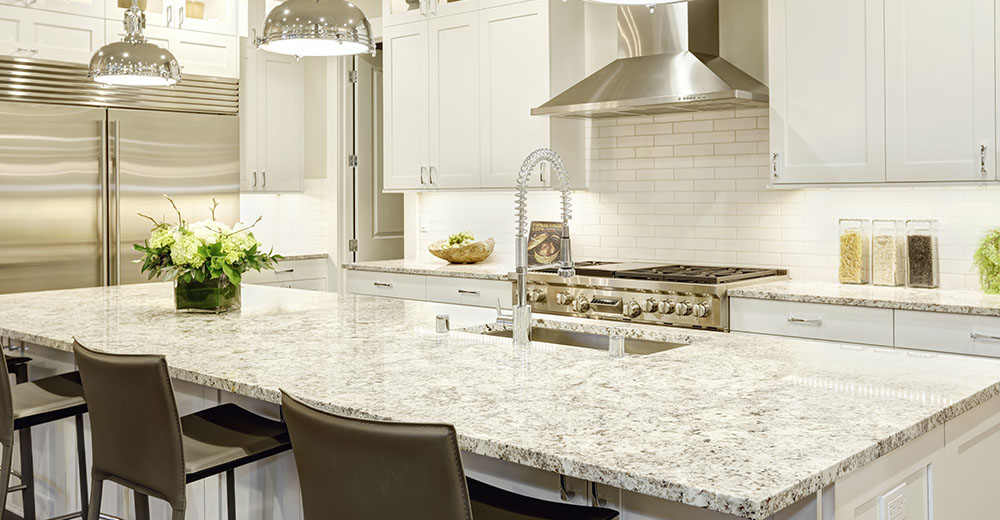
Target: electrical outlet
column 892, row 505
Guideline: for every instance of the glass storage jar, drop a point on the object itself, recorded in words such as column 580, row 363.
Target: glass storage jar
column 921, row 254
column 853, row 251
column 888, row 252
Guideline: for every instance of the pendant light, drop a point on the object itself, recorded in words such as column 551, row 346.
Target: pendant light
column 317, row 28
column 134, row 61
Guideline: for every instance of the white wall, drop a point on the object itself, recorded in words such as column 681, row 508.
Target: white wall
column 694, row 189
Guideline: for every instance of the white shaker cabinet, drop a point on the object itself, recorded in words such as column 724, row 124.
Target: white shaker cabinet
column 91, row 8
column 406, row 106
column 940, row 96
column 827, row 91
column 198, row 53
column 214, row 16
column 271, row 122
column 35, row 33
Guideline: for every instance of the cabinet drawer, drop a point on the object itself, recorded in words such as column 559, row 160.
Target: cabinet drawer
column 289, row 270
column 314, row 284
column 957, row 333
column 465, row 291
column 812, row 320
column 392, row 285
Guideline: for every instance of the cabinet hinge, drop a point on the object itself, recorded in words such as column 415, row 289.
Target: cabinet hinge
column 352, row 161
column 352, row 245
column 352, row 76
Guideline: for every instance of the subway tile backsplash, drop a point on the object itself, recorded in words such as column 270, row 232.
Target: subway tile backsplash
column 694, row 188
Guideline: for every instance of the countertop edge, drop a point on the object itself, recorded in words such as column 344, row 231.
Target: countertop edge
column 457, row 273
column 764, row 293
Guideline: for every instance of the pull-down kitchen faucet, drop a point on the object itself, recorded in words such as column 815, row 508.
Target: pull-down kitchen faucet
column 522, row 310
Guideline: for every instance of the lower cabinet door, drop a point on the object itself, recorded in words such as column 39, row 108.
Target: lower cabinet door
column 972, row 447
column 955, row 333
column 465, row 291
column 391, row 285
column 812, row 321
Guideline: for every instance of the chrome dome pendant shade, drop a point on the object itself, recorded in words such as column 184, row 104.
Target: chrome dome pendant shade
column 317, row 28
column 134, row 61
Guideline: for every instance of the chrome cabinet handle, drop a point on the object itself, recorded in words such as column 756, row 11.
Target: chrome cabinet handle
column 25, row 49
column 263, row 180
column 255, row 179
column 382, row 284
column 423, row 171
column 466, row 291
column 976, row 335
column 982, row 159
column 285, row 271
column 430, row 174
column 810, row 321
column 774, row 165
column 180, row 16
column 170, row 14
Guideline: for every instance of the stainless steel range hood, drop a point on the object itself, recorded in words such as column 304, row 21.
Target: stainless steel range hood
column 668, row 63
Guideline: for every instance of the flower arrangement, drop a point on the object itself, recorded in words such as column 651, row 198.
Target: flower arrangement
column 987, row 260
column 206, row 259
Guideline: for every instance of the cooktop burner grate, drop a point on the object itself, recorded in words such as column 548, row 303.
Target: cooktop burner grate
column 694, row 274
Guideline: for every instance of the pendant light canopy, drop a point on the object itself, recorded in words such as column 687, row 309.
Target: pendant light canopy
column 134, row 61
column 317, row 28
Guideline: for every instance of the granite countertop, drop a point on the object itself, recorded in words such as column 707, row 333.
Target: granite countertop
column 312, row 256
column 931, row 300
column 744, row 425
column 481, row 271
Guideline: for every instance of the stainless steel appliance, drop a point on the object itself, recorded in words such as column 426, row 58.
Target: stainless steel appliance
column 677, row 295
column 78, row 160
column 668, row 62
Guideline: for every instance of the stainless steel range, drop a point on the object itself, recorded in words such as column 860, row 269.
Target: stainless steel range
column 677, row 295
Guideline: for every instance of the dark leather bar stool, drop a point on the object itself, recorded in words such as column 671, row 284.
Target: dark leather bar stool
column 28, row 404
column 374, row 469
column 140, row 441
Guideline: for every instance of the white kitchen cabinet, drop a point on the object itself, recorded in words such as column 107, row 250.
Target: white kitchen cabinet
column 47, row 35
column 290, row 272
column 406, row 106
column 271, row 122
column 395, row 12
column 460, row 89
column 391, row 285
column 91, row 8
column 812, row 321
column 972, row 447
column 942, row 332
column 467, row 291
column 213, row 16
column 940, row 95
column 827, row 91
column 204, row 54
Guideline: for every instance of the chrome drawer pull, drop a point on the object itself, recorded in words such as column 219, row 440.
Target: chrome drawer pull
column 466, row 291
column 810, row 321
column 976, row 335
column 383, row 284
column 286, row 271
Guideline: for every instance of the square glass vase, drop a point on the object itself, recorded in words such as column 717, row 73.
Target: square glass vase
column 211, row 296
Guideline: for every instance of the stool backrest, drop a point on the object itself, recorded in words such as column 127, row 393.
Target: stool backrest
column 134, row 423
column 6, row 406
column 354, row 468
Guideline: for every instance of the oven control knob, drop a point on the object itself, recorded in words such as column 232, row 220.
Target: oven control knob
column 684, row 308
column 665, row 307
column 564, row 298
column 536, row 295
column 702, row 310
column 650, row 305
column 581, row 304
column 631, row 310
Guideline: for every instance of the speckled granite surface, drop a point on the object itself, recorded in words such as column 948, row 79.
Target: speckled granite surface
column 931, row 300
column 306, row 257
column 482, row 271
column 744, row 425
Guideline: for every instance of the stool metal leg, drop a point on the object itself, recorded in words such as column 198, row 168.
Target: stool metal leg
column 27, row 474
column 231, row 494
column 5, row 460
column 81, row 458
column 96, row 492
column 141, row 506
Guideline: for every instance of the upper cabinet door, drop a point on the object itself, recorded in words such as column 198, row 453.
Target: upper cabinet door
column 279, row 122
column 406, row 100
column 92, row 8
column 827, row 83
column 159, row 13
column 514, row 67
column 454, row 102
column 215, row 16
column 939, row 73
column 34, row 33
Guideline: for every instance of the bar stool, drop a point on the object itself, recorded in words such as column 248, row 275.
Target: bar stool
column 373, row 469
column 140, row 441
column 28, row 404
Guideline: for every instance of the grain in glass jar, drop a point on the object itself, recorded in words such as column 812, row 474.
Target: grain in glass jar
column 921, row 254
column 888, row 252
column 853, row 251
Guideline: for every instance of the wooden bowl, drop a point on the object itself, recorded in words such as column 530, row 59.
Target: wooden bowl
column 467, row 254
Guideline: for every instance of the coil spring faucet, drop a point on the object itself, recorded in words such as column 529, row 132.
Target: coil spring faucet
column 522, row 311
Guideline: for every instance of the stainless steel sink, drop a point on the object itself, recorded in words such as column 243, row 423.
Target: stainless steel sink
column 641, row 347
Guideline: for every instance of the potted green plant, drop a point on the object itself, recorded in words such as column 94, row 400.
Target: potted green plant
column 206, row 260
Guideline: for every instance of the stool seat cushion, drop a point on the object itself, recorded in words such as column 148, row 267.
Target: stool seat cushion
column 492, row 503
column 225, row 434
column 61, row 393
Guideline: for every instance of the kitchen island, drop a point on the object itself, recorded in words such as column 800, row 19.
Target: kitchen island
column 729, row 426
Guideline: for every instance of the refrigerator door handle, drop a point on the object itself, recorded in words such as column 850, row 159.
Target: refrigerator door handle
column 103, row 214
column 115, row 183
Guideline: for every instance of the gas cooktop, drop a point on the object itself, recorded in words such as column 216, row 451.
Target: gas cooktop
column 668, row 273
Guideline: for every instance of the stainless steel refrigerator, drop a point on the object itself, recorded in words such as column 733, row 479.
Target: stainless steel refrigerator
column 73, row 177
